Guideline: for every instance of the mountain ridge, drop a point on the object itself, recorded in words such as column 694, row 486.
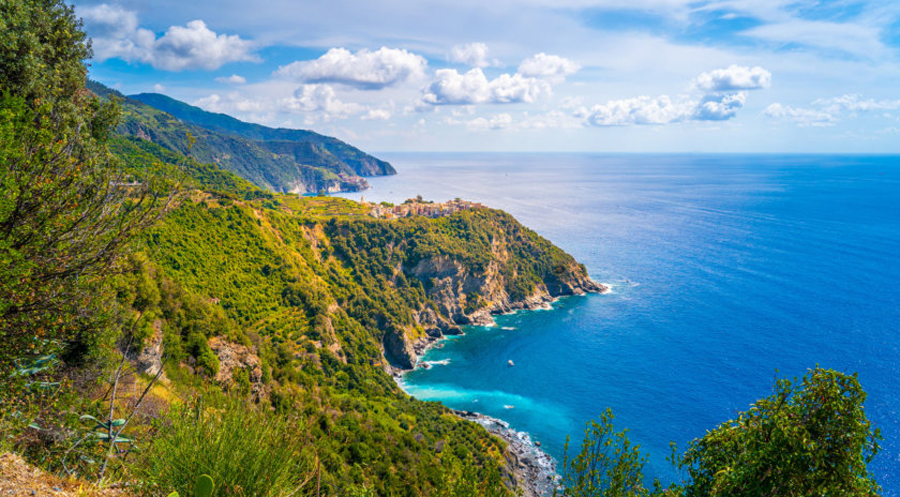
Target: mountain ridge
column 298, row 161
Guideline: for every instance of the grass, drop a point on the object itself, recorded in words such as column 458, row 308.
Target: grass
column 246, row 450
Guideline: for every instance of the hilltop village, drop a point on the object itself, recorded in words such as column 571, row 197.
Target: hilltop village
column 418, row 207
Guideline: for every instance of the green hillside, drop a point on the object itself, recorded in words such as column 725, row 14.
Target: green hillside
column 166, row 325
column 311, row 163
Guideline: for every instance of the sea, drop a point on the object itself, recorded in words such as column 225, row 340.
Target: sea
column 727, row 272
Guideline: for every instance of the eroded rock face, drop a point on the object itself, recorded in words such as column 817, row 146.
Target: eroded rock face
column 450, row 285
column 233, row 356
column 398, row 350
column 149, row 359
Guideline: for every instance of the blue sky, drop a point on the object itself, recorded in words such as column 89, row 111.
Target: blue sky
column 524, row 75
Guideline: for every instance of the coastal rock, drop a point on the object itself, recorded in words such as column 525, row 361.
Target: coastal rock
column 398, row 350
column 450, row 287
column 529, row 470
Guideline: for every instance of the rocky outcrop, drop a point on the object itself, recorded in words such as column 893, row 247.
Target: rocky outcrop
column 451, row 285
column 234, row 357
column 398, row 349
column 149, row 359
column 530, row 471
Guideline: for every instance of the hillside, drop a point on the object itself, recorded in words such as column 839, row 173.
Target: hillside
column 318, row 301
column 293, row 161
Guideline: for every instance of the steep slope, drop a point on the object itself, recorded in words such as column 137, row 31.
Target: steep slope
column 323, row 294
column 317, row 163
column 305, row 146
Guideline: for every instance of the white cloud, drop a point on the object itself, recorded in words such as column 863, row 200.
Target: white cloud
column 496, row 122
column 363, row 69
column 196, row 46
column 233, row 102
column 377, row 115
column 158, row 88
column 116, row 34
column 471, row 54
column 109, row 21
column 452, row 88
column 719, row 107
column 734, row 78
column 803, row 117
column 234, row 79
column 320, row 100
column 855, row 103
column 720, row 101
column 828, row 111
column 552, row 67
column 640, row 110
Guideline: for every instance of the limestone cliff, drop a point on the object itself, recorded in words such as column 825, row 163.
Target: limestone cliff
column 462, row 290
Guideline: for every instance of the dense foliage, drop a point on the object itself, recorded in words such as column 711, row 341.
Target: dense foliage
column 298, row 161
column 65, row 209
column 807, row 438
column 306, row 146
column 302, row 292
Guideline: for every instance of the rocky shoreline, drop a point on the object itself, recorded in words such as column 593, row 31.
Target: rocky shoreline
column 533, row 469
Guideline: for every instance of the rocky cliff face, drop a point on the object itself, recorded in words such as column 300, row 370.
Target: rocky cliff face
column 465, row 297
column 233, row 358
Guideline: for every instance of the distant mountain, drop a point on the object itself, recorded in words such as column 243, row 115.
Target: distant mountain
column 282, row 160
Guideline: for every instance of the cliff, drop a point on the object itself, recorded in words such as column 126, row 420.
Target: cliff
column 470, row 265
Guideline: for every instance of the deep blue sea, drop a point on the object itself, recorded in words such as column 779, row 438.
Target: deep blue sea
column 727, row 271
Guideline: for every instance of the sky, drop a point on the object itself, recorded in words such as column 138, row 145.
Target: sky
column 524, row 75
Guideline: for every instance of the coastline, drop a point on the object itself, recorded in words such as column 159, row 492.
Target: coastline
column 533, row 469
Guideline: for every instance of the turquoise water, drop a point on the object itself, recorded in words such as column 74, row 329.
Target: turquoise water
column 726, row 271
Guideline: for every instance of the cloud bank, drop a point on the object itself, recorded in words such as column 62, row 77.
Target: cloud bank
column 363, row 70
column 452, row 88
column 116, row 34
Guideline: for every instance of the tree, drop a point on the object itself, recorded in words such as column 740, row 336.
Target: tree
column 607, row 466
column 811, row 438
column 66, row 209
column 807, row 439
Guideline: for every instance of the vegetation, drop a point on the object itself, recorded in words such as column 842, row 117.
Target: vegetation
column 281, row 160
column 244, row 450
column 811, row 438
column 269, row 316
column 65, row 209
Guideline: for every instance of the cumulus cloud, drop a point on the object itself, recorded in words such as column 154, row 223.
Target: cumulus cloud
column 719, row 107
column 320, row 100
column 234, row 79
column 803, row 117
column 377, row 115
column 471, row 54
column 116, row 34
column 734, row 78
column 496, row 122
column 364, row 69
column 722, row 93
column 548, row 66
column 640, row 110
column 452, row 88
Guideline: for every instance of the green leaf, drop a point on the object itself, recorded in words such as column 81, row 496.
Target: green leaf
column 204, row 486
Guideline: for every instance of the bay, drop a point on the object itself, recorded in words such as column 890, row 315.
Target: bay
column 727, row 271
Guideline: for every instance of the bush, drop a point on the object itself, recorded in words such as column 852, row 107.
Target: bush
column 244, row 449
